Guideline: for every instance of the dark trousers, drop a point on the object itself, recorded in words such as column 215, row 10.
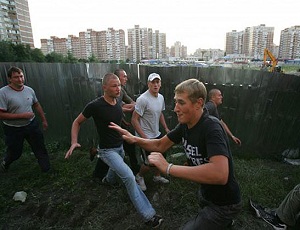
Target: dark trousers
column 130, row 151
column 14, row 140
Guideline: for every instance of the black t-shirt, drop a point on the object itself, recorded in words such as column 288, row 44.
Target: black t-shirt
column 212, row 109
column 103, row 113
column 206, row 139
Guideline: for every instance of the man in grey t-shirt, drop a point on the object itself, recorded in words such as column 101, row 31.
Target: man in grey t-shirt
column 17, row 102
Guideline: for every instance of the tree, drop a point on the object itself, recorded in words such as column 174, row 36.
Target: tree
column 92, row 58
column 70, row 58
column 54, row 57
column 6, row 52
column 37, row 55
column 22, row 53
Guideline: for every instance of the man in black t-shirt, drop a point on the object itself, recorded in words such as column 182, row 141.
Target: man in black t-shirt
column 214, row 100
column 207, row 149
column 104, row 110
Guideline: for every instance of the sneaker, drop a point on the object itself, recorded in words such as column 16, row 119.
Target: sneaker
column 232, row 222
column 273, row 220
column 257, row 208
column 160, row 179
column 155, row 221
column 140, row 180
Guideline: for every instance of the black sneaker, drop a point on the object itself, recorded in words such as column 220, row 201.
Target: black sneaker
column 273, row 220
column 257, row 208
column 155, row 221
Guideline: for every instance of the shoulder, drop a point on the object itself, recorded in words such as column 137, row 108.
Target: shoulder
column 142, row 97
column 28, row 89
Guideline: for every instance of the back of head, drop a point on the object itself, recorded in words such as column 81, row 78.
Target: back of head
column 194, row 88
column 13, row 69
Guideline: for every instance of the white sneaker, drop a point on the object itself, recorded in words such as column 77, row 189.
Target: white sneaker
column 140, row 181
column 160, row 179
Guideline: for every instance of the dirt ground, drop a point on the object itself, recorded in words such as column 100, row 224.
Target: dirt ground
column 72, row 199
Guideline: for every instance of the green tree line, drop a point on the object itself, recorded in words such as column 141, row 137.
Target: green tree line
column 10, row 52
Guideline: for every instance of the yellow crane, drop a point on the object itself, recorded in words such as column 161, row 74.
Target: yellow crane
column 274, row 61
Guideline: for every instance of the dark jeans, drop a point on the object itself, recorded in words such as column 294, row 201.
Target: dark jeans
column 14, row 140
column 212, row 217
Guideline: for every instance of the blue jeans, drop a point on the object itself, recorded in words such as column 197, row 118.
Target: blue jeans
column 113, row 157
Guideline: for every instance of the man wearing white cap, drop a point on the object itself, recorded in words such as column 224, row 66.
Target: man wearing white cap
column 145, row 119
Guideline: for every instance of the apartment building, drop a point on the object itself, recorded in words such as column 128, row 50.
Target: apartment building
column 144, row 44
column 105, row 45
column 111, row 45
column 234, row 42
column 15, row 24
column 289, row 47
column 178, row 51
column 251, row 42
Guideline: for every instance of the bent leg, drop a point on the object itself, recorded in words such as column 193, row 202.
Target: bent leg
column 114, row 159
column 289, row 209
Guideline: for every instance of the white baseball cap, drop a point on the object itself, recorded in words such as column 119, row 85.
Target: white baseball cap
column 153, row 76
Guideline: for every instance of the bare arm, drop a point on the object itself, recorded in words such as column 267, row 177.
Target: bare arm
column 229, row 133
column 12, row 116
column 163, row 122
column 38, row 108
column 214, row 172
column 128, row 107
column 74, row 134
column 159, row 145
column 135, row 121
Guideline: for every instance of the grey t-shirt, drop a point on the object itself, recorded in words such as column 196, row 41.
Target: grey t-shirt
column 150, row 108
column 13, row 101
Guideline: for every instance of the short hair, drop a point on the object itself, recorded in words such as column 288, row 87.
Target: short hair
column 108, row 77
column 194, row 88
column 12, row 70
column 212, row 93
column 118, row 71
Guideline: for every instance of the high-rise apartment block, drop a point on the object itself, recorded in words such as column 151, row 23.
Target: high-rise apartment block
column 15, row 24
column 289, row 47
column 250, row 42
column 178, row 50
column 105, row 45
column 144, row 44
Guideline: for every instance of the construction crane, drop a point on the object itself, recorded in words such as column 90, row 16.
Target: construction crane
column 274, row 61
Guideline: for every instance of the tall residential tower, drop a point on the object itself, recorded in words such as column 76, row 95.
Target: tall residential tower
column 15, row 24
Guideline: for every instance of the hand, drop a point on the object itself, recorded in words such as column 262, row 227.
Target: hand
column 126, row 135
column 158, row 160
column 236, row 140
column 45, row 125
column 70, row 151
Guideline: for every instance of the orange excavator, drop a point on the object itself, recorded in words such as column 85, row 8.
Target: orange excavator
column 273, row 61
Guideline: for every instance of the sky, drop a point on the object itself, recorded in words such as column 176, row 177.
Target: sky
column 194, row 23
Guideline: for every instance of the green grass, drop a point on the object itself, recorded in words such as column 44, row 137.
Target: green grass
column 72, row 199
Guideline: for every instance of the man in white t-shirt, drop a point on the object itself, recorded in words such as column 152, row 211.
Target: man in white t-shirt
column 145, row 119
